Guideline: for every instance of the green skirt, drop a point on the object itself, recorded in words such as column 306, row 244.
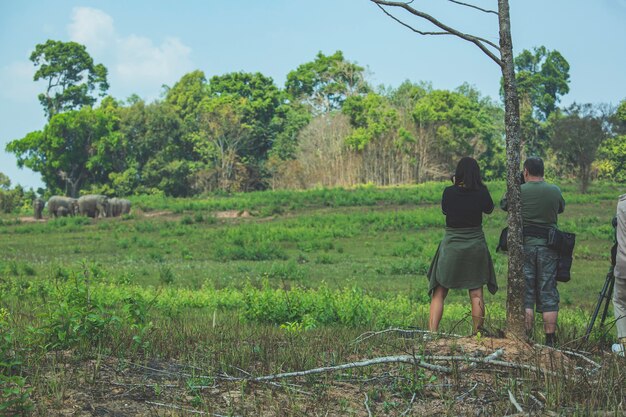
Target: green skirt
column 462, row 261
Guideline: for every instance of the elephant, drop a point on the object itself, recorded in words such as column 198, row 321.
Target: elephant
column 38, row 205
column 118, row 206
column 62, row 212
column 69, row 204
column 93, row 205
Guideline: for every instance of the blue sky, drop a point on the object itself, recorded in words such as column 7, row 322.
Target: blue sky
column 145, row 44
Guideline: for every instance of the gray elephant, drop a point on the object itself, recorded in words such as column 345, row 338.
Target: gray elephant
column 62, row 212
column 118, row 206
column 38, row 205
column 70, row 205
column 93, row 205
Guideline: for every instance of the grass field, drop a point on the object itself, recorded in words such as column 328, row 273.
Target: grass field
column 300, row 273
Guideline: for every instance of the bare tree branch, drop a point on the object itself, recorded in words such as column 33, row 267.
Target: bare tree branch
column 386, row 359
column 491, row 357
column 474, row 7
column 481, row 43
column 409, row 26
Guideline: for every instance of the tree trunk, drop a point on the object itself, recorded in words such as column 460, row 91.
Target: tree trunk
column 516, row 284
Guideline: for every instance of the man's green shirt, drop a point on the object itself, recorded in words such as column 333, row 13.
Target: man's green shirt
column 541, row 204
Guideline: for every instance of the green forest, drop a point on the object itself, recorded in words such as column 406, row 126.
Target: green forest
column 325, row 127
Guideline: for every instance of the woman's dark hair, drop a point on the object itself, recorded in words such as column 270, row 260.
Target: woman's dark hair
column 468, row 173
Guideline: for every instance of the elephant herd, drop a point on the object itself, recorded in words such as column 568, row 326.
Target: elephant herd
column 93, row 205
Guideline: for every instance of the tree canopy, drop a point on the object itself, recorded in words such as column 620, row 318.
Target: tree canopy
column 71, row 76
column 240, row 131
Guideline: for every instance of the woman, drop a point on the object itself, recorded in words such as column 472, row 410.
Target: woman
column 462, row 260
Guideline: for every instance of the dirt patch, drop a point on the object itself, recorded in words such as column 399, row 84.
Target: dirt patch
column 232, row 214
column 117, row 387
column 515, row 351
column 31, row 220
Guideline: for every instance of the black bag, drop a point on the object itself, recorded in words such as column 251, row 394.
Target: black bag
column 563, row 243
column 502, row 245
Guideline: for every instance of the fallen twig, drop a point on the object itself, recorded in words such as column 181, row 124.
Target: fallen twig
column 515, row 403
column 576, row 354
column 119, row 384
column 410, row 406
column 367, row 407
column 465, row 394
column 539, row 403
column 367, row 335
column 377, row 361
column 488, row 358
column 186, row 410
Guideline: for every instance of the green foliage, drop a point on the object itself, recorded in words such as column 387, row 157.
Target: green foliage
column 542, row 77
column 577, row 136
column 258, row 99
column 372, row 117
column 72, row 151
column 185, row 96
column 611, row 162
column 71, row 76
column 326, row 82
column 14, row 393
column 461, row 124
column 10, row 199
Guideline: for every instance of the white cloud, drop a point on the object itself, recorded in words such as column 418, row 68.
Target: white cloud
column 136, row 64
column 92, row 28
column 139, row 58
column 17, row 81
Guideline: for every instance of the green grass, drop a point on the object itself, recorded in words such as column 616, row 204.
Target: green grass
column 266, row 293
column 378, row 239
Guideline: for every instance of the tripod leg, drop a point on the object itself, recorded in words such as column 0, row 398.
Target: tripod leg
column 601, row 297
column 608, row 299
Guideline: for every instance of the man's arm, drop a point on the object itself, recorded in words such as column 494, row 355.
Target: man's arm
column 561, row 205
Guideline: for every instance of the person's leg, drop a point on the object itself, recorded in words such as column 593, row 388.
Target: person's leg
column 549, row 321
column 436, row 307
column 478, row 307
column 547, row 260
column 529, row 318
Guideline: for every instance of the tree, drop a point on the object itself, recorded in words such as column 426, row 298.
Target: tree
column 612, row 151
column 66, row 151
column 515, row 289
column 5, row 182
column 258, row 99
column 577, row 136
column 326, row 82
column 186, row 95
column 159, row 154
column 288, row 121
column 542, row 78
column 457, row 125
column 71, row 76
column 222, row 138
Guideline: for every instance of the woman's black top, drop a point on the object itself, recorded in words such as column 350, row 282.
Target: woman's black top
column 465, row 208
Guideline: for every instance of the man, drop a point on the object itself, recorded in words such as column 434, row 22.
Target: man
column 541, row 205
column 619, row 288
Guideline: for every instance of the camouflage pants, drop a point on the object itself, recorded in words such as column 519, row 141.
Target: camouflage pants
column 540, row 275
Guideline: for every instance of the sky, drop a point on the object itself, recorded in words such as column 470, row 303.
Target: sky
column 147, row 44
